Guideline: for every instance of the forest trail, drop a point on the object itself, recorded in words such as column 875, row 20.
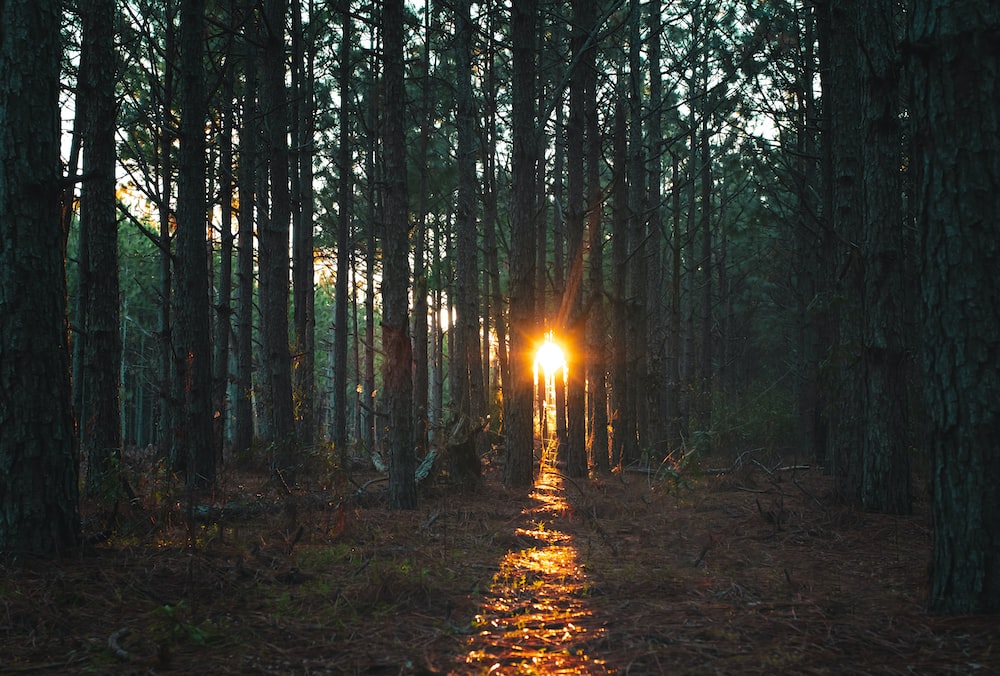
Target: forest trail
column 535, row 617
column 752, row 570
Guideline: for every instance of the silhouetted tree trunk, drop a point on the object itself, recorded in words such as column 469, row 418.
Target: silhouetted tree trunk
column 571, row 324
column 836, row 22
column 885, row 483
column 368, row 395
column 812, row 236
column 99, row 415
column 303, row 269
column 193, row 323
column 466, row 362
column 421, row 356
column 636, row 289
column 674, row 341
column 273, row 235
column 957, row 155
column 224, row 283
column 243, row 432
column 490, row 197
column 38, row 467
column 622, row 418
column 397, row 367
column 167, row 388
column 657, row 296
column 345, row 208
column 597, row 395
column 519, row 468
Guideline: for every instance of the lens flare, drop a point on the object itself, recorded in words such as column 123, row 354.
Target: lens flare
column 550, row 358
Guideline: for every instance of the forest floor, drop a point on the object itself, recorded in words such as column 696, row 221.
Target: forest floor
column 735, row 565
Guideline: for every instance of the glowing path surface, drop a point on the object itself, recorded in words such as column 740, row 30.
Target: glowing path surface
column 535, row 619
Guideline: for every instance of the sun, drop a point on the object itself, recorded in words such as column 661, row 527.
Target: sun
column 550, row 357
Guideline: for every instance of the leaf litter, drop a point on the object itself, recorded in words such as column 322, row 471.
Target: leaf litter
column 744, row 569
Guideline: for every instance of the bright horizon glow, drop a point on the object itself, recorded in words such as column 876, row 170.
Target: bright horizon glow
column 550, row 357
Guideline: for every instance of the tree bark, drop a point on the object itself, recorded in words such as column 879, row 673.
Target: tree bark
column 38, row 470
column 345, row 208
column 571, row 324
column 397, row 367
column 243, row 432
column 193, row 321
column 303, row 268
column 636, row 286
column 596, row 360
column 836, row 23
column 885, row 484
column 468, row 394
column 273, row 234
column 622, row 418
column 957, row 151
column 99, row 416
column 519, row 470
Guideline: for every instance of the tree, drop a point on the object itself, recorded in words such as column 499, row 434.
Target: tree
column 224, row 280
column 398, row 368
column 571, row 322
column 273, row 237
column 467, row 365
column 194, row 329
column 519, row 388
column 38, row 470
column 246, row 179
column 954, row 61
column 303, row 269
column 345, row 207
column 99, row 415
column 597, row 397
column 843, row 280
column 885, row 482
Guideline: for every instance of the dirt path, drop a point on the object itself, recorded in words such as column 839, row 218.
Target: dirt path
column 536, row 617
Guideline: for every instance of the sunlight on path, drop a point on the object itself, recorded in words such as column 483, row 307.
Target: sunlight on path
column 535, row 619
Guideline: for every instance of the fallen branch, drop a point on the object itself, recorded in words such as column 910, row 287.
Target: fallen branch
column 427, row 524
column 114, row 646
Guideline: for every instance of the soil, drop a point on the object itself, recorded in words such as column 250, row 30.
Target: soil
column 744, row 565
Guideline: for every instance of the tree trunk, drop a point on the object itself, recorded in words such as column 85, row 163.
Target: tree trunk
column 38, row 470
column 397, row 367
column 345, row 208
column 167, row 404
column 243, row 432
column 193, row 321
column 622, row 418
column 303, row 269
column 468, row 395
column 490, row 217
column 421, row 337
column 273, row 234
column 885, row 483
column 570, row 323
column 224, row 284
column 597, row 394
column 957, row 152
column 836, row 21
column 519, row 470
column 636, row 287
column 656, row 290
column 99, row 415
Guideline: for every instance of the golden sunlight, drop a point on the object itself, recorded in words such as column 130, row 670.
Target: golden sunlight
column 550, row 358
